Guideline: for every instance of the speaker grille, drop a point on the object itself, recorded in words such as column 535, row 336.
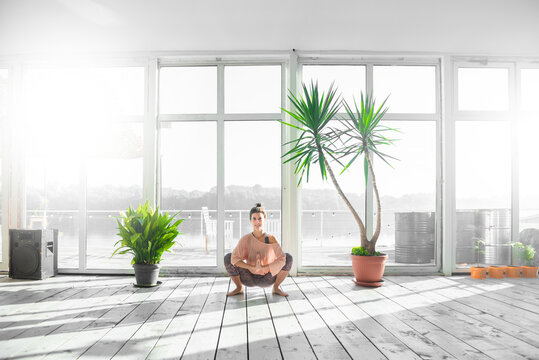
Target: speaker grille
column 26, row 259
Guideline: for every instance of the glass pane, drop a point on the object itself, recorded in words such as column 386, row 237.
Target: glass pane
column 88, row 93
column 189, row 185
column 188, row 90
column 483, row 192
column 252, row 89
column 411, row 89
column 328, row 229
column 408, row 194
column 483, row 89
column 3, row 112
column 252, row 174
column 114, row 182
column 528, row 189
column 349, row 80
column 53, row 156
column 52, row 199
column 529, row 92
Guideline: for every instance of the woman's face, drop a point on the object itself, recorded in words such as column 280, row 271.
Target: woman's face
column 257, row 220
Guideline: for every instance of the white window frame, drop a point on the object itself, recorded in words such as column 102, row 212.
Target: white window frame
column 220, row 117
column 461, row 115
column 369, row 63
column 148, row 177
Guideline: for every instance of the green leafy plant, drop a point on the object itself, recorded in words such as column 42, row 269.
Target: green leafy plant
column 146, row 234
column 361, row 251
column 526, row 252
column 319, row 143
column 479, row 248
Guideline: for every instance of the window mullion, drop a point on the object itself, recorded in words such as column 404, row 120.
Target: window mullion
column 220, row 165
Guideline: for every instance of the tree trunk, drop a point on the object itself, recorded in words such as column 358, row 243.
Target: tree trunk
column 372, row 243
column 363, row 233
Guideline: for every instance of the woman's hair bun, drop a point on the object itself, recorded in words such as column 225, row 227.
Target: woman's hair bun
column 258, row 209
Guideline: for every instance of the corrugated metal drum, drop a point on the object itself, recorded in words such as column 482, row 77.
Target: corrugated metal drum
column 414, row 237
column 493, row 226
column 497, row 249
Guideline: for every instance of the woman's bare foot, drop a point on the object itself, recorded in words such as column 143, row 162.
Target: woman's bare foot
column 278, row 291
column 236, row 291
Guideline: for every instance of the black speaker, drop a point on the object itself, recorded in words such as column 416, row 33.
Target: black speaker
column 33, row 254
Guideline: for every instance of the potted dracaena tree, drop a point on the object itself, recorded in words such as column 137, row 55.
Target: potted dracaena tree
column 146, row 234
column 360, row 136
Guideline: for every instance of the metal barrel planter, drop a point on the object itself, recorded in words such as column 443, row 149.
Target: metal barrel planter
column 414, row 237
column 493, row 226
column 498, row 239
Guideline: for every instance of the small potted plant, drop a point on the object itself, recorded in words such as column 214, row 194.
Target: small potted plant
column 477, row 271
column 527, row 254
column 513, row 271
column 146, row 234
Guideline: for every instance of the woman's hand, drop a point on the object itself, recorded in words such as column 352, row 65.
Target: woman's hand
column 258, row 268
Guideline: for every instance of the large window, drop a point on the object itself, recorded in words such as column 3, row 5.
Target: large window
column 188, row 161
column 193, row 122
column 83, row 156
column 483, row 144
column 407, row 191
column 328, row 229
column 252, row 149
column 81, row 133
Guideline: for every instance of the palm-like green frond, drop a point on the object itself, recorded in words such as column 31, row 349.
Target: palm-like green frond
column 363, row 133
column 313, row 111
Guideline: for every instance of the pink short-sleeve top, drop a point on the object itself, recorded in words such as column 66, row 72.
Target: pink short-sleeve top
column 249, row 249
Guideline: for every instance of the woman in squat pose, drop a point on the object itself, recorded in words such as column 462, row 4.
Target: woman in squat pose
column 258, row 260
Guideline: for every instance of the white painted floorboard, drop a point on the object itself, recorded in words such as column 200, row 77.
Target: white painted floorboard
column 423, row 317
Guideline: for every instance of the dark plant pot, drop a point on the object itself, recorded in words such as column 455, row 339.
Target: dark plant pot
column 146, row 274
column 369, row 270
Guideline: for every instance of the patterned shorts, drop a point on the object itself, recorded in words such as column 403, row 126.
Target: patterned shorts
column 249, row 279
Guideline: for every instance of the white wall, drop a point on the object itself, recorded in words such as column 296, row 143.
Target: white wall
column 489, row 27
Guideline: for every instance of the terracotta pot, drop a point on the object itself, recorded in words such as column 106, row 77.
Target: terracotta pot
column 369, row 270
column 529, row 271
column 496, row 272
column 478, row 272
column 512, row 271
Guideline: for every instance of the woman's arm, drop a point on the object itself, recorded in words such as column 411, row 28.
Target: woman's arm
column 276, row 266
column 257, row 269
column 242, row 264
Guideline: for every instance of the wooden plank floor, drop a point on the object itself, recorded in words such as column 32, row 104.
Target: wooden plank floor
column 427, row 317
